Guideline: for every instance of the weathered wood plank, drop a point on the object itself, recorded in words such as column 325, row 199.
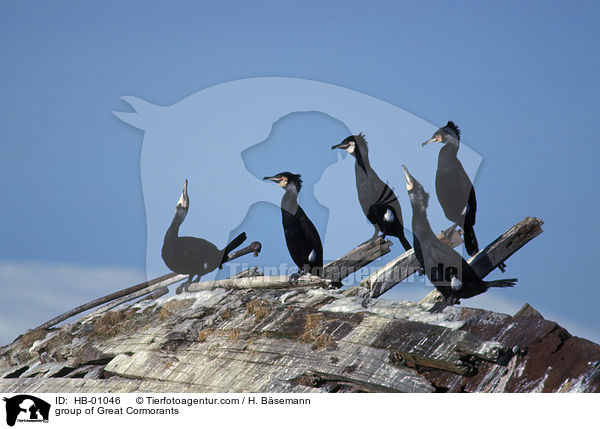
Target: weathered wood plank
column 487, row 259
column 261, row 282
column 354, row 260
column 484, row 262
column 400, row 268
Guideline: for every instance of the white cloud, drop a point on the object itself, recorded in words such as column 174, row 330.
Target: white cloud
column 35, row 292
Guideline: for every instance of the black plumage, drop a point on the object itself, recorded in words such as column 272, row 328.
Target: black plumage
column 301, row 236
column 191, row 255
column 444, row 267
column 453, row 187
column 377, row 200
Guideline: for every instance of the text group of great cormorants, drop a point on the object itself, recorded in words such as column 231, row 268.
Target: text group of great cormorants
column 444, row 267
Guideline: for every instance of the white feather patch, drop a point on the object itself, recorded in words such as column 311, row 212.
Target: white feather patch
column 312, row 256
column 389, row 216
column 455, row 283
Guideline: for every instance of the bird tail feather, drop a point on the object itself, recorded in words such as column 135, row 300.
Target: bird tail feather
column 232, row 245
column 471, row 245
column 501, row 283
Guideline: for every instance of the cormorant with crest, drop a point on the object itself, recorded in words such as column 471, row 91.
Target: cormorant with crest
column 191, row 255
column 444, row 267
column 453, row 187
column 377, row 200
column 301, row 236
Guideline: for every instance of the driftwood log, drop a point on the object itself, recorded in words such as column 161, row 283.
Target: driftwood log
column 401, row 268
column 484, row 262
column 357, row 258
column 139, row 290
column 487, row 259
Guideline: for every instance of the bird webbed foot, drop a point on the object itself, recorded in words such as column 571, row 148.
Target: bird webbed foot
column 183, row 287
column 294, row 278
column 450, row 231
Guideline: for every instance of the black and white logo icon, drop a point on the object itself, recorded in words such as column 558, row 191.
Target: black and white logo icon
column 26, row 408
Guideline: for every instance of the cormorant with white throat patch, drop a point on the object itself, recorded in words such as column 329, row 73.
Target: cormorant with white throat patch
column 301, row 236
column 444, row 267
column 377, row 200
column 191, row 255
column 453, row 187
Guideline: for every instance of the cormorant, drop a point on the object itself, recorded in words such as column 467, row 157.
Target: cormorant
column 444, row 267
column 301, row 236
column 191, row 255
column 377, row 200
column 453, row 187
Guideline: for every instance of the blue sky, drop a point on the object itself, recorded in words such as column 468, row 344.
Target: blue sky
column 519, row 79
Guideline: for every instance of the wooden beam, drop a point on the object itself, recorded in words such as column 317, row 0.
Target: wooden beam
column 261, row 282
column 486, row 260
column 401, row 268
column 354, row 260
column 105, row 299
column 139, row 290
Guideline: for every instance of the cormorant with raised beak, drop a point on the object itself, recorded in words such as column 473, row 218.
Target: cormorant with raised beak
column 191, row 255
column 377, row 200
column 453, row 187
column 444, row 267
column 301, row 236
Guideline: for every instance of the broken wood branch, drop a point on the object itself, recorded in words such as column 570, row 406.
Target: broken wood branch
column 486, row 260
column 261, row 282
column 401, row 268
column 254, row 247
column 354, row 260
column 105, row 299
column 139, row 290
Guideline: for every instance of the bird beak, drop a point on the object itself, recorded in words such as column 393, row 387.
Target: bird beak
column 435, row 139
column 274, row 179
column 184, row 200
column 340, row 146
column 431, row 140
column 408, row 177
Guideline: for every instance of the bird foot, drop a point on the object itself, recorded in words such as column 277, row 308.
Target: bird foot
column 450, row 231
column 502, row 266
column 294, row 278
column 183, row 287
column 439, row 306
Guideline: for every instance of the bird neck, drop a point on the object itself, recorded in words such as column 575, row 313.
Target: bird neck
column 362, row 158
column 449, row 150
column 420, row 224
column 173, row 231
column 289, row 201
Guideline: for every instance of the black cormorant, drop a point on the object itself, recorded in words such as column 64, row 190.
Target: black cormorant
column 301, row 236
column 444, row 267
column 453, row 187
column 378, row 201
column 191, row 255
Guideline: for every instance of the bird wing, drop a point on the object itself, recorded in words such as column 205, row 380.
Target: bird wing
column 198, row 249
column 312, row 235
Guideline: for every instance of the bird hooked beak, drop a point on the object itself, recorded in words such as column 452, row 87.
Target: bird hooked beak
column 280, row 180
column 184, row 200
column 409, row 179
column 348, row 146
column 435, row 139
